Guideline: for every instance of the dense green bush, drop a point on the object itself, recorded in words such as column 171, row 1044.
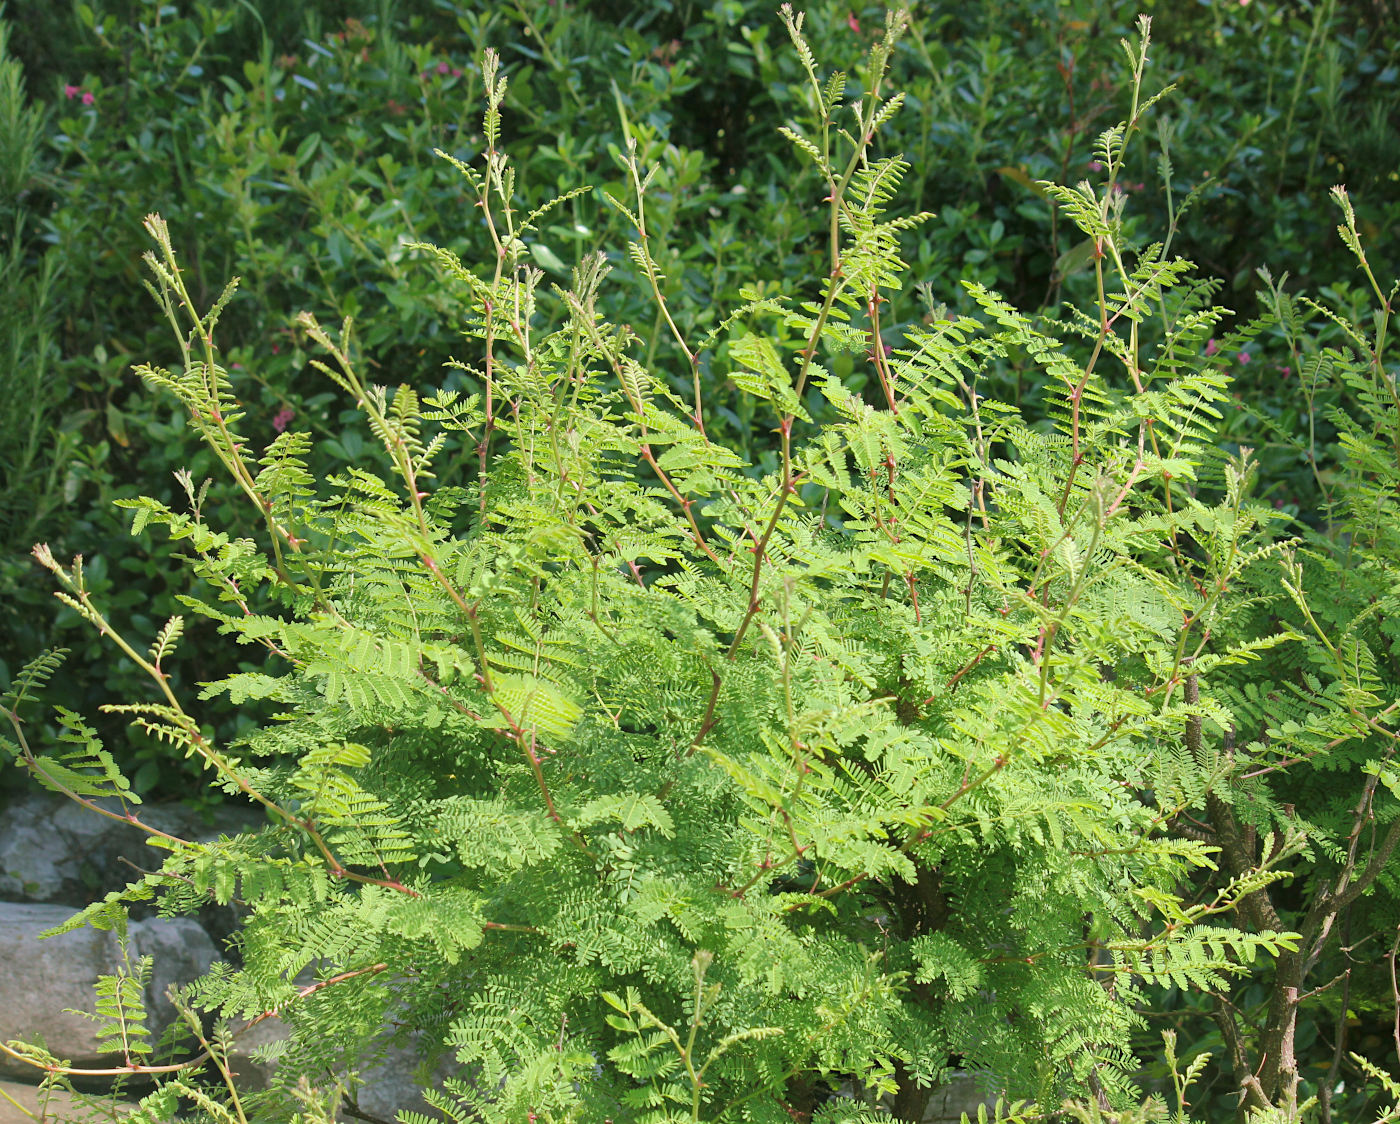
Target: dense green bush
column 660, row 778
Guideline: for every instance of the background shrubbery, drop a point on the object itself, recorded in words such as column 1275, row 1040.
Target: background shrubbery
column 293, row 147
column 291, row 144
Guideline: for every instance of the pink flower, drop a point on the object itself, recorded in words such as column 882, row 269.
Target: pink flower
column 88, row 97
column 444, row 68
column 284, row 415
column 456, row 72
column 1244, row 357
column 853, row 23
column 1285, row 371
column 70, row 92
column 1096, row 165
column 1211, row 349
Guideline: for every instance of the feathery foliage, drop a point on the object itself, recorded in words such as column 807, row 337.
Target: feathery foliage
column 653, row 786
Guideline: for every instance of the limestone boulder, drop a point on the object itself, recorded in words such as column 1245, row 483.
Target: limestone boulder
column 46, row 979
column 384, row 1089
column 23, row 1104
column 54, row 850
column 959, row 1095
column 390, row 1086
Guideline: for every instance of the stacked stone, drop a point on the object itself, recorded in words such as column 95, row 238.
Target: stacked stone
column 57, row 857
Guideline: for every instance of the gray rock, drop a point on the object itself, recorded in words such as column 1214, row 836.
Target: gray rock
column 31, row 866
column 389, row 1086
column 45, row 979
column 959, row 1095
column 81, row 827
column 181, row 950
column 20, row 1104
column 55, row 850
column 38, row 860
column 252, row 1074
column 383, row 1089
